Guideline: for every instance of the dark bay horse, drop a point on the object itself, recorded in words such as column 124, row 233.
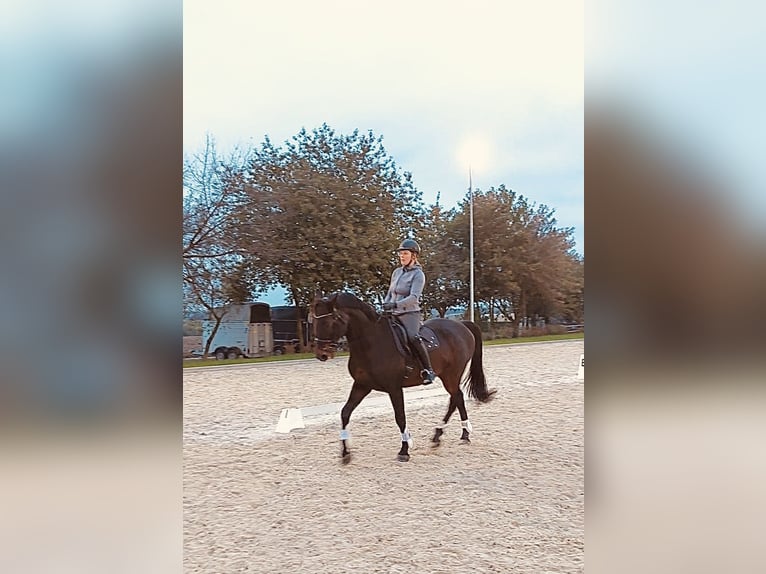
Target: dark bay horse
column 376, row 364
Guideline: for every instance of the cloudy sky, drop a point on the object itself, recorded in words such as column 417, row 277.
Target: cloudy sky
column 497, row 84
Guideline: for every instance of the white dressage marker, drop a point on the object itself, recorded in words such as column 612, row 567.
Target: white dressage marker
column 581, row 368
column 290, row 419
column 376, row 404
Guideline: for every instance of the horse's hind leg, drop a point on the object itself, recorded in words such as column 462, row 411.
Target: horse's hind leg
column 397, row 400
column 436, row 439
column 464, row 422
column 354, row 398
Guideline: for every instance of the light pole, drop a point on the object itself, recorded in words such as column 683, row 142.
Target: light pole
column 470, row 195
column 474, row 149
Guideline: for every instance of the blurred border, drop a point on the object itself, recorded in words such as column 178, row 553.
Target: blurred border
column 675, row 399
column 90, row 386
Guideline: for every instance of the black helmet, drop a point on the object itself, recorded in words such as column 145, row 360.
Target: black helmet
column 409, row 245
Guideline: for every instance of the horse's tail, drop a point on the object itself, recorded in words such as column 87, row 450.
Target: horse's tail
column 476, row 381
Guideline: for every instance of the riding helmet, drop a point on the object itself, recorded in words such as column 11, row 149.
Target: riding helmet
column 409, row 245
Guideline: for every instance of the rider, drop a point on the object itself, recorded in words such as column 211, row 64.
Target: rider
column 403, row 300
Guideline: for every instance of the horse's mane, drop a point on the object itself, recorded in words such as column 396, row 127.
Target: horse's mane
column 349, row 301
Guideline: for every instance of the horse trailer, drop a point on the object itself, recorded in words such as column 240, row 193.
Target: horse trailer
column 244, row 331
column 256, row 330
column 284, row 323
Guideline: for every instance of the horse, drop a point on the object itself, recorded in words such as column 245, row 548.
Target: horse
column 376, row 363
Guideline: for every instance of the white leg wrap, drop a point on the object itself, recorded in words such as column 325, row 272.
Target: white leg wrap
column 466, row 424
column 345, row 435
column 407, row 437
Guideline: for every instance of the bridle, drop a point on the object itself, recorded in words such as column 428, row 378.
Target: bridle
column 328, row 344
column 334, row 313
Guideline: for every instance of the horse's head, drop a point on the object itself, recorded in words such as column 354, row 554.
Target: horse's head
column 330, row 325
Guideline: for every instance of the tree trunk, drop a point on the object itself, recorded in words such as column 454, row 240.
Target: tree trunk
column 519, row 314
column 299, row 323
column 206, row 351
column 492, row 317
column 515, row 324
column 523, row 307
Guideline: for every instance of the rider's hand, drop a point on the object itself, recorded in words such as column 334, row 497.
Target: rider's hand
column 390, row 306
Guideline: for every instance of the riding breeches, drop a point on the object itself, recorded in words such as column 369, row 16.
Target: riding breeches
column 411, row 322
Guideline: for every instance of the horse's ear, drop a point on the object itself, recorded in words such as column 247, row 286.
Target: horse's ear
column 317, row 293
column 332, row 299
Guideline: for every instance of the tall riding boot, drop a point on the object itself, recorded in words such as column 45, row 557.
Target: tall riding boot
column 420, row 348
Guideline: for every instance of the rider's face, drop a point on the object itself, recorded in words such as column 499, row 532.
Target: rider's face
column 405, row 257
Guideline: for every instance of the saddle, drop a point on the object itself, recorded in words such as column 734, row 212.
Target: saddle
column 402, row 341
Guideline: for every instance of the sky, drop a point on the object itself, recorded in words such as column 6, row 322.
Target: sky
column 497, row 85
column 692, row 76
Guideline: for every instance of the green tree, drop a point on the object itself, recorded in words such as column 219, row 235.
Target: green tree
column 495, row 241
column 545, row 272
column 574, row 310
column 443, row 261
column 523, row 261
column 332, row 208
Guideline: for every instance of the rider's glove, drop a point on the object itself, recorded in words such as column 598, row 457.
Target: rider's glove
column 390, row 306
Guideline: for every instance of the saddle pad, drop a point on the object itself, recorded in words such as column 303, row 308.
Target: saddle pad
column 429, row 337
column 400, row 338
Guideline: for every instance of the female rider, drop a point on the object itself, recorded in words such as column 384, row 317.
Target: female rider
column 403, row 300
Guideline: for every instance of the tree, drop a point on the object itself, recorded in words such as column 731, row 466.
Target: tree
column 523, row 261
column 215, row 271
column 572, row 308
column 545, row 272
column 443, row 262
column 212, row 284
column 208, row 203
column 495, row 241
column 333, row 208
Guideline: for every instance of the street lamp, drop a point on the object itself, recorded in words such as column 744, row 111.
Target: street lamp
column 475, row 149
column 470, row 195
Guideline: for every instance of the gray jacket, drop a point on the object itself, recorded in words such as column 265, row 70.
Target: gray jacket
column 406, row 288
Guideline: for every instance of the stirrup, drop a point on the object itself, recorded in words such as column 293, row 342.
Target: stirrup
column 427, row 376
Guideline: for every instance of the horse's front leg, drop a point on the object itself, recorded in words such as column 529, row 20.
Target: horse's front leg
column 397, row 400
column 358, row 392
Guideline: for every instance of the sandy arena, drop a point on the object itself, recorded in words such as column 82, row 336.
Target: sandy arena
column 512, row 501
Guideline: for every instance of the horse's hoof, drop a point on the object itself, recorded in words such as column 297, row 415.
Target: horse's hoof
column 402, row 457
column 465, row 440
column 346, row 458
column 435, row 443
